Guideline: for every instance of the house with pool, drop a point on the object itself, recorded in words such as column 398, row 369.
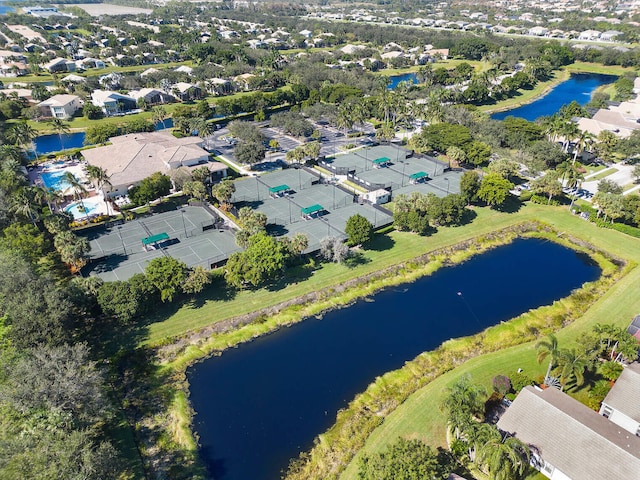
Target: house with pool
column 133, row 157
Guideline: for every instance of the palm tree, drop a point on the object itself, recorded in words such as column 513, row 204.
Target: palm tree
column 22, row 134
column 61, row 128
column 463, row 401
column 159, row 115
column 101, row 178
column 10, row 152
column 476, row 435
column 572, row 365
column 78, row 188
column 26, row 202
column 505, row 458
column 548, row 348
column 584, row 139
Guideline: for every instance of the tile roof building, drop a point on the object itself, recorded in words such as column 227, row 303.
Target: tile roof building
column 132, row 158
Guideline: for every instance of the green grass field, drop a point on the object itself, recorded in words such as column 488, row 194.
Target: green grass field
column 390, row 250
column 603, row 174
column 420, row 416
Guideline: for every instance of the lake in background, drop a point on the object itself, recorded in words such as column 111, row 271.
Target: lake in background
column 4, row 8
column 51, row 143
column 396, row 79
column 579, row 87
column 260, row 404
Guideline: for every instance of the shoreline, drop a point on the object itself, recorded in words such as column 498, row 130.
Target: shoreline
column 205, row 343
column 563, row 76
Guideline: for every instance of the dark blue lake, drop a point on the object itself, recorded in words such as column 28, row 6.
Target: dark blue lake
column 396, row 79
column 51, row 143
column 260, row 404
column 579, row 87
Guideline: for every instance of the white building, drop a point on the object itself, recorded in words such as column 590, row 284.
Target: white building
column 61, row 106
column 568, row 440
column 622, row 404
column 112, row 103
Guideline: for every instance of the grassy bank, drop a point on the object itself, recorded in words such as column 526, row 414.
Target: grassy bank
column 173, row 420
column 587, row 67
column 527, row 96
column 420, row 417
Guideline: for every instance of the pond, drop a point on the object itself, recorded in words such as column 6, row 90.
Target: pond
column 260, row 404
column 396, row 79
column 52, row 143
column 579, row 87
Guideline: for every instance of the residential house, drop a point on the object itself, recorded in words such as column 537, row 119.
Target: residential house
column 219, row 86
column 184, row 69
column 539, row 31
column 610, row 35
column 152, row 96
column 112, row 103
column 132, row 158
column 89, row 62
column 61, row 106
column 243, row 80
column 186, row 91
column 60, row 65
column 568, row 440
column 622, row 404
column 589, row 35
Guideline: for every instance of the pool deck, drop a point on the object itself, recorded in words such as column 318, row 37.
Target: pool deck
column 78, row 171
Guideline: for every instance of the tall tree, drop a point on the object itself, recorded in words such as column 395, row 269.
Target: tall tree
column 572, row 365
column 78, row 189
column 462, row 402
column 101, row 178
column 61, row 128
column 504, row 457
column 548, row 348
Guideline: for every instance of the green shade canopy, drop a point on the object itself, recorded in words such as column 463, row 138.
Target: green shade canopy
column 419, row 176
column 312, row 209
column 279, row 188
column 381, row 161
column 155, row 238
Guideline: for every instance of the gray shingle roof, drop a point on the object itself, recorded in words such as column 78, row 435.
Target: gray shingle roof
column 576, row 440
column 625, row 394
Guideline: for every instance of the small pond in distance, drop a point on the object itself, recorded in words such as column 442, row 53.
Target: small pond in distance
column 396, row 79
column 260, row 404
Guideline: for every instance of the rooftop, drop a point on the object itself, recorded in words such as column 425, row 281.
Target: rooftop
column 572, row 437
column 625, row 394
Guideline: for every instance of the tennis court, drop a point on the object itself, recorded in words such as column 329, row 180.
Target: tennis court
column 193, row 236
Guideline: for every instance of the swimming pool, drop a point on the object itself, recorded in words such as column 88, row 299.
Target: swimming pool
column 92, row 206
column 55, row 180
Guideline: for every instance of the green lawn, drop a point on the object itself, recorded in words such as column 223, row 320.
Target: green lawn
column 405, row 247
column 603, row 174
column 587, row 67
column 593, row 168
column 420, row 417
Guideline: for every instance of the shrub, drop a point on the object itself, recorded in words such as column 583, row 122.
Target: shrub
column 501, row 384
column 520, row 380
column 544, row 200
column 525, row 196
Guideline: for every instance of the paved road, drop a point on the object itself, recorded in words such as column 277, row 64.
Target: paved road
column 624, row 176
